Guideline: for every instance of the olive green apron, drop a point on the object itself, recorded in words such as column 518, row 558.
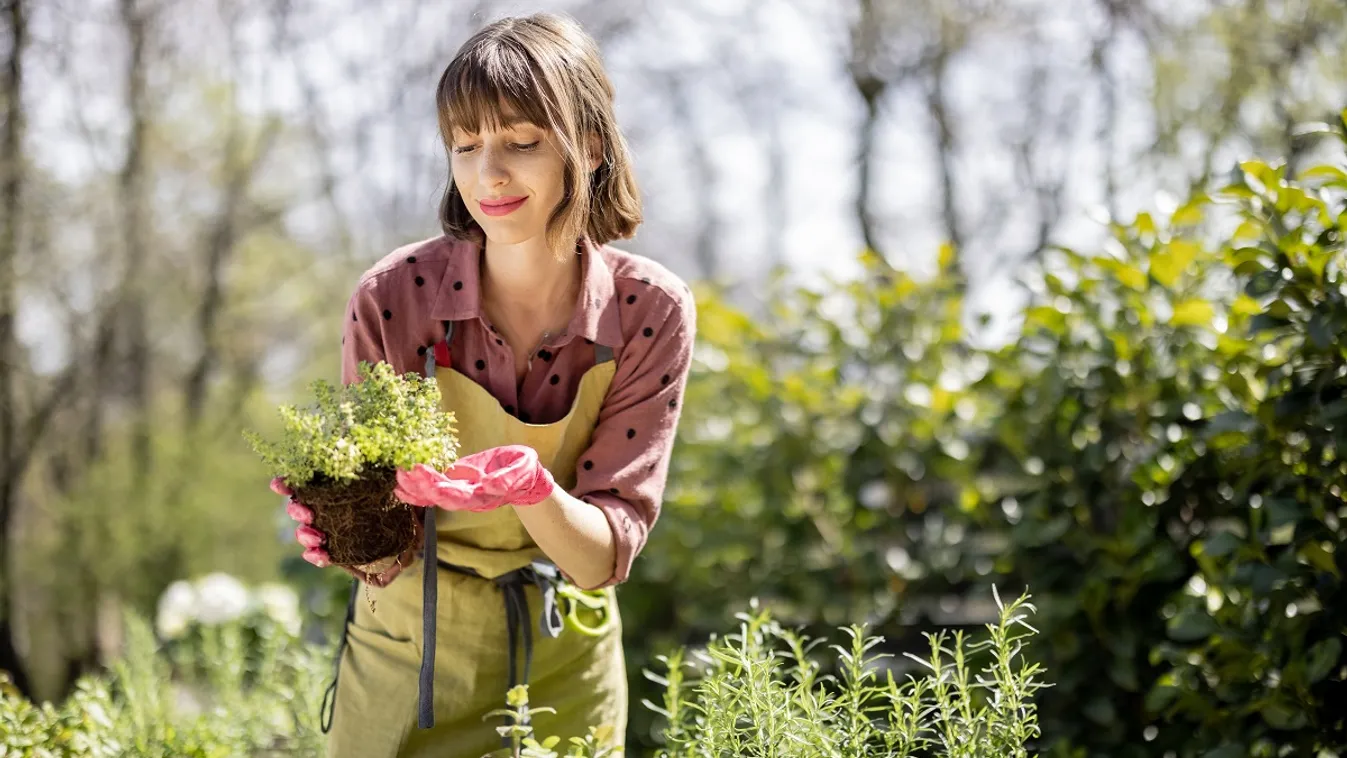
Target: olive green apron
column 490, row 584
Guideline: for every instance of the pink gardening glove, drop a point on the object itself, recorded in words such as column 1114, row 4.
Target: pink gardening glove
column 306, row 535
column 314, row 540
column 509, row 475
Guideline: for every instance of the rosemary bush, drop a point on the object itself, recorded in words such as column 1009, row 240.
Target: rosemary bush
column 760, row 692
column 250, row 687
column 244, row 688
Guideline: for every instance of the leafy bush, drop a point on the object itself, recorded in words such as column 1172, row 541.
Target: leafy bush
column 761, row 693
column 381, row 421
column 1154, row 451
column 244, row 688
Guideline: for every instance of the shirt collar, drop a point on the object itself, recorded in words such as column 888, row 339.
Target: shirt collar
column 595, row 317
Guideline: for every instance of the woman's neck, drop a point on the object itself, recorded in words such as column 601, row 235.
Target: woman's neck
column 528, row 282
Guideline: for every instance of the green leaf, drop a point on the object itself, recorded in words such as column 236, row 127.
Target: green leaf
column 1312, row 128
column 1282, row 511
column 1160, row 697
column 1191, row 625
column 945, row 259
column 1145, row 224
column 1172, row 260
column 1264, row 322
column 1320, row 557
column 1221, row 544
column 1322, row 658
column 1262, row 283
column 1245, row 306
column 1282, row 535
column 1046, row 317
column 1128, row 275
column 1192, row 312
column 1259, row 175
column 1324, row 172
column 1320, row 334
column 1280, row 715
column 1189, row 213
column 1249, row 229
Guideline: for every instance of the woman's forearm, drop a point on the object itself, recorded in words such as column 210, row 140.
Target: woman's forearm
column 573, row 534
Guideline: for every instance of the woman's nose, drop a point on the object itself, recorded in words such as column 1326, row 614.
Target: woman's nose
column 493, row 169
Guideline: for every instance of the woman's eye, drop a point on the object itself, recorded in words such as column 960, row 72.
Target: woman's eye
column 459, row 149
column 526, row 147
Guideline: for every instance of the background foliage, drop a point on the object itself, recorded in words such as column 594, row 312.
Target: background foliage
column 1155, row 454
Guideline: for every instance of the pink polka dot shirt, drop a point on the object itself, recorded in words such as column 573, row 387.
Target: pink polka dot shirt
column 629, row 303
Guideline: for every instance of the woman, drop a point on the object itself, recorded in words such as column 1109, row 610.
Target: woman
column 564, row 361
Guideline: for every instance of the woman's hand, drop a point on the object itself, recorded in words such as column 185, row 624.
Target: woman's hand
column 314, row 541
column 508, row 475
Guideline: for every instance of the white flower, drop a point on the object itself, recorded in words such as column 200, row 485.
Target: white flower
column 281, row 604
column 220, row 598
column 177, row 609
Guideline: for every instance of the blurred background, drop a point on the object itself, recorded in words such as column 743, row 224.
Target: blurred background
column 974, row 312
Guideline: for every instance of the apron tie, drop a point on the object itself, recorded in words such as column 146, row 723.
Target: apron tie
column 514, row 586
column 514, row 589
column 329, row 704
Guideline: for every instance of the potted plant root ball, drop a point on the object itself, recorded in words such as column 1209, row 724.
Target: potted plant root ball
column 340, row 455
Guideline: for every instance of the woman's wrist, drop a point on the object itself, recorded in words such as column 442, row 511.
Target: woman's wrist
column 542, row 488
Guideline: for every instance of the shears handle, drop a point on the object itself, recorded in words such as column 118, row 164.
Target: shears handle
column 596, row 601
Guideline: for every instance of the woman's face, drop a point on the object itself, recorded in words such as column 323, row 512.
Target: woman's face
column 511, row 180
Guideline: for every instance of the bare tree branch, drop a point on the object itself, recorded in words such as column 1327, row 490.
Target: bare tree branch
column 11, row 198
column 132, row 186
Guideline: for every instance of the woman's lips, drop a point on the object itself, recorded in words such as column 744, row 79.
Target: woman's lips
column 501, row 206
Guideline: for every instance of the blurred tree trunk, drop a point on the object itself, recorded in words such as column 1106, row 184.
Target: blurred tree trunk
column 865, row 52
column 11, row 197
column 132, row 185
column 1107, row 135
column 946, row 148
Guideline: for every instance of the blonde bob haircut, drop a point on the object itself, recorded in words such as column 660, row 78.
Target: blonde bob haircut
column 544, row 69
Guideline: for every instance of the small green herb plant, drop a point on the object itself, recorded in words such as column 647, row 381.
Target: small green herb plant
column 761, row 692
column 383, row 420
column 599, row 743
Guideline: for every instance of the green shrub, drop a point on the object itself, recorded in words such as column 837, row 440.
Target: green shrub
column 1154, row 450
column 381, row 421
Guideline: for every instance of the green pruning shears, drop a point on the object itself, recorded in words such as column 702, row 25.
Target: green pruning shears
column 595, row 601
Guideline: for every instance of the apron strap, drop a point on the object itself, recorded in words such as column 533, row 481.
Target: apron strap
column 329, row 704
column 430, row 594
column 438, row 355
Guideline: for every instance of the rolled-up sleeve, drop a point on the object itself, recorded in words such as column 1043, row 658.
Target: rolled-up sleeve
column 623, row 471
